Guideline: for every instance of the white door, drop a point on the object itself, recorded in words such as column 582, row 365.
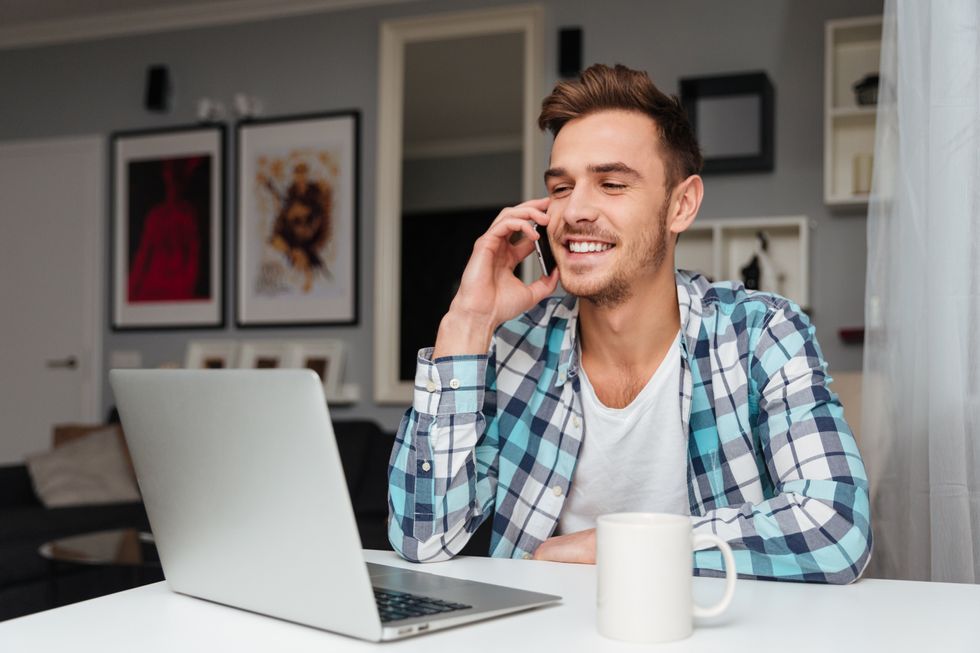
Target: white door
column 51, row 281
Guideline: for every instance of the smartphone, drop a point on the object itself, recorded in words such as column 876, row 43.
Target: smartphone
column 543, row 248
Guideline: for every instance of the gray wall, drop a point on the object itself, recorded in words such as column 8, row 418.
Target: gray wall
column 329, row 61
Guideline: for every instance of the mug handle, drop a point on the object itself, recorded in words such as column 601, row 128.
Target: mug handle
column 726, row 552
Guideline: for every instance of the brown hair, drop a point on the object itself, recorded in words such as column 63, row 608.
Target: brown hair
column 600, row 87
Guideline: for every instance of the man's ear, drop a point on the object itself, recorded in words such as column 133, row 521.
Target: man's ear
column 685, row 203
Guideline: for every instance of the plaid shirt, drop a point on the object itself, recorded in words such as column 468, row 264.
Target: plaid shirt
column 772, row 466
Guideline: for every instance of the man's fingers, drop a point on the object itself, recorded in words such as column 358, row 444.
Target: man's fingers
column 544, row 286
column 521, row 250
column 507, row 226
column 540, row 203
column 525, row 212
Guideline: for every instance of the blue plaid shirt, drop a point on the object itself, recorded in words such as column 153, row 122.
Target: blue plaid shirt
column 772, row 466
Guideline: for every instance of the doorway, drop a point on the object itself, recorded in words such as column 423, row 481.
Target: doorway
column 51, row 289
column 458, row 99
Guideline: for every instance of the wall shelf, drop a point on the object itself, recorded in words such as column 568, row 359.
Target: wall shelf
column 720, row 248
column 852, row 50
column 350, row 393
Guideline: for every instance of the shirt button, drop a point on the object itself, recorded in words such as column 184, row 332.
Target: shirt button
column 576, row 421
column 430, row 386
column 426, row 466
column 557, row 490
column 527, row 556
column 561, row 378
column 454, row 384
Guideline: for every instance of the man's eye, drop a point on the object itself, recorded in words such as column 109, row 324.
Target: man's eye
column 608, row 185
column 559, row 190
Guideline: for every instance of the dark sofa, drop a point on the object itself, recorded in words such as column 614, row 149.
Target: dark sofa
column 28, row 583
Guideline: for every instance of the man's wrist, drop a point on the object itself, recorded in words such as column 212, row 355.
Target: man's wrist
column 463, row 335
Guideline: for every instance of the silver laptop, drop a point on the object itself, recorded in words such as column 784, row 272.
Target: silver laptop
column 247, row 500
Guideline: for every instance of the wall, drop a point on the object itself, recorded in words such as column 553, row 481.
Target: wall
column 329, row 61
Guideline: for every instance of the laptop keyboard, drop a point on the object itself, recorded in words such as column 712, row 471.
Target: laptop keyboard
column 393, row 605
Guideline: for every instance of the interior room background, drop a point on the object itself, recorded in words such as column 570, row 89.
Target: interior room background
column 329, row 61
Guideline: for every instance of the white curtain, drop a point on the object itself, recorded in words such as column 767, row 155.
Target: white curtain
column 921, row 427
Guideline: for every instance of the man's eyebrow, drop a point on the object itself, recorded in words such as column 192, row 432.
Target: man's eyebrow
column 551, row 173
column 618, row 166
column 596, row 169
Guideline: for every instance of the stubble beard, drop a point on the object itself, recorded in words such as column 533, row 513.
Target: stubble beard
column 647, row 254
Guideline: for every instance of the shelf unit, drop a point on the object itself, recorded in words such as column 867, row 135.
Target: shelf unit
column 852, row 50
column 720, row 248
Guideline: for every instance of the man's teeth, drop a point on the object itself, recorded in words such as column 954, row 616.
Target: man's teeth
column 577, row 246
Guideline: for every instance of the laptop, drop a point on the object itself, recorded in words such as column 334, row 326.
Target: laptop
column 246, row 496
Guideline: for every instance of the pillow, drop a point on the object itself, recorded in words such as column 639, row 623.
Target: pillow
column 88, row 470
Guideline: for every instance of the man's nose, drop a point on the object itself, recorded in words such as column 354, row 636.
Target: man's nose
column 580, row 207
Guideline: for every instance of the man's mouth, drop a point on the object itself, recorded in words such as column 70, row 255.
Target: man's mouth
column 587, row 246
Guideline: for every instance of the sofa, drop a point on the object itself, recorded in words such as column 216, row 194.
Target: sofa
column 28, row 581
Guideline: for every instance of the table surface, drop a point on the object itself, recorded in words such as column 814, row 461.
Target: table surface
column 870, row 615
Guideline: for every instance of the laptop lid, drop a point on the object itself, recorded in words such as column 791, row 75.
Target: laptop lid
column 245, row 492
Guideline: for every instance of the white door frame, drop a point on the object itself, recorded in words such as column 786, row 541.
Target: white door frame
column 395, row 35
column 93, row 274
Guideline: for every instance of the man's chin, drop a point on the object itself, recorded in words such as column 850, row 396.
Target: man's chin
column 582, row 285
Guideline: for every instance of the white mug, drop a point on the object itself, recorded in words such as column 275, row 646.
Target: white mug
column 644, row 566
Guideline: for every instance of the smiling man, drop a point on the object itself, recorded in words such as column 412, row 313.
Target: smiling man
column 645, row 388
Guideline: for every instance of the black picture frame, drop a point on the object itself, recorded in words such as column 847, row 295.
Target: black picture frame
column 334, row 169
column 727, row 110
column 167, row 184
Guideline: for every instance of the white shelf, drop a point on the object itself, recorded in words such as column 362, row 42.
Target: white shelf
column 720, row 248
column 350, row 393
column 853, row 112
column 852, row 50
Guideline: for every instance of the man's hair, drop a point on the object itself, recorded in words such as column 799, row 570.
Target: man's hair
column 601, row 88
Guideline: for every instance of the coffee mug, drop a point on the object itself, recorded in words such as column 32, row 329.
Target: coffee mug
column 644, row 566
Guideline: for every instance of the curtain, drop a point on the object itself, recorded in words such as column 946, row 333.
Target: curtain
column 921, row 425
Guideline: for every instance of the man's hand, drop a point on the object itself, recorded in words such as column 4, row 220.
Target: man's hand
column 574, row 547
column 489, row 292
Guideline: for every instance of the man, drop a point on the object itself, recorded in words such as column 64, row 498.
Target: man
column 645, row 389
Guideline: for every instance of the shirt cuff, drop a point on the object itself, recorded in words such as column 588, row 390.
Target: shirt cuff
column 449, row 385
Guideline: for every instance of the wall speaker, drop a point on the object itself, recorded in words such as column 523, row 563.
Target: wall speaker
column 157, row 97
column 569, row 51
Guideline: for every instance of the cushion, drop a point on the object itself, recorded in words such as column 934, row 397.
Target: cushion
column 88, row 470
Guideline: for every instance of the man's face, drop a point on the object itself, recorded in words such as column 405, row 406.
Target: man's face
column 608, row 205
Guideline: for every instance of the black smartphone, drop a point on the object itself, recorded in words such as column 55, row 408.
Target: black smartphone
column 542, row 246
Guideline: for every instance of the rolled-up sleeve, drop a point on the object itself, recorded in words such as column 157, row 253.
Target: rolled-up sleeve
column 441, row 476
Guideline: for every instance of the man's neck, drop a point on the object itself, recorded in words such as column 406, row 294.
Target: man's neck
column 634, row 335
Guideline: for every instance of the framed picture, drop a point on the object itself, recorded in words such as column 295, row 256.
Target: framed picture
column 297, row 221
column 167, row 228
column 732, row 116
column 325, row 357
column 211, row 354
column 263, row 354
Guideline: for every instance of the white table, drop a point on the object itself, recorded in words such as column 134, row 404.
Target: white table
column 869, row 616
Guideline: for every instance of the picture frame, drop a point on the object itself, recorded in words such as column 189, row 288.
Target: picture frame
column 263, row 354
column 732, row 117
column 211, row 354
column 325, row 356
column 297, row 207
column 167, row 188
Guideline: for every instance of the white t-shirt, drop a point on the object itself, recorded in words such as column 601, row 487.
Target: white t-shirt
column 633, row 459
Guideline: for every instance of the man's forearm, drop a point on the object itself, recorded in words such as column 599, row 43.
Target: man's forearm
column 814, row 531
